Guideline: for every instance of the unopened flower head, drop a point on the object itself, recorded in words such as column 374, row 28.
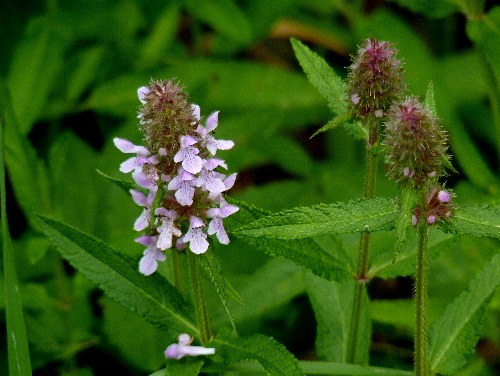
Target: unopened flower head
column 439, row 206
column 181, row 182
column 415, row 143
column 375, row 79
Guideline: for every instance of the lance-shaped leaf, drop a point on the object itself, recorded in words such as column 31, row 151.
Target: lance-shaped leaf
column 152, row 297
column 333, row 219
column 475, row 220
column 454, row 336
column 272, row 355
column 322, row 76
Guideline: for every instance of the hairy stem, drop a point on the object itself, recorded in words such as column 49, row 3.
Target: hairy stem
column 199, row 298
column 421, row 298
column 364, row 243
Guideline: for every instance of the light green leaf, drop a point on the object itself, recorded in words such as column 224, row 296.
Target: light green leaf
column 322, row 76
column 125, row 185
column 152, row 297
column 475, row 220
column 211, row 264
column 188, row 367
column 17, row 341
column 454, row 336
column 332, row 305
column 272, row 355
column 85, row 72
column 334, row 123
column 339, row 218
column 224, row 16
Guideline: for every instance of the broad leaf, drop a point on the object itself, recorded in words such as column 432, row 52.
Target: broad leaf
column 332, row 305
column 333, row 219
column 211, row 263
column 342, row 369
column 17, row 341
column 188, row 367
column 453, row 338
column 272, row 355
column 151, row 297
column 322, row 76
column 476, row 220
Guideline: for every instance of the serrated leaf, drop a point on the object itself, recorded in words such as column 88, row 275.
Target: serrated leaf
column 322, row 76
column 152, row 297
column 407, row 202
column 453, row 337
column 332, row 305
column 211, row 264
column 342, row 369
column 17, row 340
column 272, row 355
column 340, row 218
column 475, row 220
column 126, row 186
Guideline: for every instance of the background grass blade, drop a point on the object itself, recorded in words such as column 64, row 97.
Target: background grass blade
column 17, row 341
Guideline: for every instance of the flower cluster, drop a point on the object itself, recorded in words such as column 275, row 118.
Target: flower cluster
column 180, row 180
column 183, row 348
column 375, row 79
column 415, row 143
column 439, row 207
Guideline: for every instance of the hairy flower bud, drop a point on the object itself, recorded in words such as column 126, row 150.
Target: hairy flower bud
column 375, row 79
column 415, row 143
column 180, row 180
column 439, row 206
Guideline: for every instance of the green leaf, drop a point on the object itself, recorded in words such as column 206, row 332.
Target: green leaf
column 339, row 218
column 272, row 355
column 454, row 336
column 152, row 297
column 305, row 252
column 224, row 16
column 334, row 123
column 322, row 76
column 33, row 70
column 211, row 263
column 408, row 201
column 125, row 185
column 332, row 305
column 17, row 341
column 341, row 369
column 475, row 220
column 185, row 367
column 430, row 103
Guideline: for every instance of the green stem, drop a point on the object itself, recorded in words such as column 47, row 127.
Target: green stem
column 364, row 244
column 199, row 298
column 421, row 298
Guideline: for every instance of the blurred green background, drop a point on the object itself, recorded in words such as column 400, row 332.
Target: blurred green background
column 71, row 70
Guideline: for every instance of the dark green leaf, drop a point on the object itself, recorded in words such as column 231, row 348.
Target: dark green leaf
column 151, row 297
column 272, row 355
column 453, row 338
column 475, row 220
column 339, row 218
column 123, row 184
column 17, row 341
column 334, row 123
column 322, row 76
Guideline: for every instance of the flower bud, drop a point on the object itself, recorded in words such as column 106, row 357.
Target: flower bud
column 415, row 143
column 375, row 79
column 439, row 206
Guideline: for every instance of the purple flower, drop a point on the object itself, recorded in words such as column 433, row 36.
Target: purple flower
column 444, row 196
column 183, row 348
column 216, row 226
column 183, row 185
column 133, row 163
column 149, row 261
column 167, row 229
column 195, row 236
column 208, row 140
column 188, row 155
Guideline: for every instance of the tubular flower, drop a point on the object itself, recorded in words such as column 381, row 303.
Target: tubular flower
column 375, row 79
column 415, row 143
column 183, row 348
column 181, row 181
